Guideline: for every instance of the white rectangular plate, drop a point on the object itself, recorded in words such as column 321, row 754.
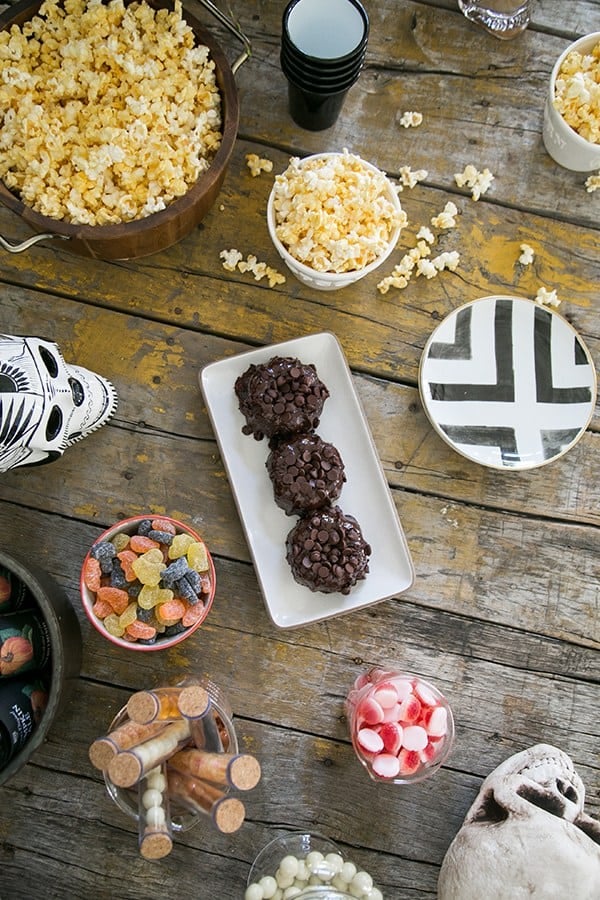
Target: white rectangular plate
column 366, row 494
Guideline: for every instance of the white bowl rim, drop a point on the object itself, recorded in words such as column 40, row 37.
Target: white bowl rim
column 332, row 277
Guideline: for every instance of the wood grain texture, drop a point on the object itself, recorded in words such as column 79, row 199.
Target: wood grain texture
column 503, row 615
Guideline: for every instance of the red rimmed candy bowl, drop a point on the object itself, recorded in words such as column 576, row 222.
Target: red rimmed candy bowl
column 401, row 726
column 148, row 583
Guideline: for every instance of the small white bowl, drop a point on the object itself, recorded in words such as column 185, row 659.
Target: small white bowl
column 330, row 281
column 566, row 147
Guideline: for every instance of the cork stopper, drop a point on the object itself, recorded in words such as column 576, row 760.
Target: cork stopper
column 156, row 845
column 228, row 814
column 101, row 752
column 142, row 707
column 193, row 701
column 125, row 769
column 244, row 772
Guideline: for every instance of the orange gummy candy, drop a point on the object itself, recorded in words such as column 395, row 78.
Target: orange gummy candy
column 92, row 574
column 140, row 543
column 193, row 613
column 170, row 612
column 127, row 557
column 163, row 525
column 118, row 599
column 140, row 630
column 102, row 609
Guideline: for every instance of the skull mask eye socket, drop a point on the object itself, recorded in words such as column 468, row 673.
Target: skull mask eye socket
column 54, row 424
column 76, row 391
column 49, row 361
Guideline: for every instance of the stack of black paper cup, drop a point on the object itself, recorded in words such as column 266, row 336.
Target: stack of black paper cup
column 323, row 47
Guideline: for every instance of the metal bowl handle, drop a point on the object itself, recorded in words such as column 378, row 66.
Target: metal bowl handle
column 233, row 27
column 25, row 245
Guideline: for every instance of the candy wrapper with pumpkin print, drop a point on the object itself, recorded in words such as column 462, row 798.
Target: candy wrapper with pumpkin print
column 24, row 643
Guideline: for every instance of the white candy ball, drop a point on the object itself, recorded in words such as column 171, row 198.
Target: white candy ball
column 374, row 894
column 340, row 883
column 283, row 880
column 291, row 892
column 335, row 861
column 157, row 781
column 302, row 873
column 289, row 865
column 254, row 892
column 151, row 798
column 269, row 886
column 155, row 817
column 348, row 871
column 314, row 860
column 362, row 881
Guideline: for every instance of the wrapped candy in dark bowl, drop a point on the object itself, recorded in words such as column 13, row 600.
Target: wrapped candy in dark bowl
column 155, row 230
column 32, row 691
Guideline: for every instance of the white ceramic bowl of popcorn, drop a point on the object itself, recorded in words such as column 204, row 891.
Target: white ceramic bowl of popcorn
column 333, row 218
column 569, row 90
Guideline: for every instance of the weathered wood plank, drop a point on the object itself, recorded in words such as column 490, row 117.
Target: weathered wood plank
column 383, row 335
column 151, row 364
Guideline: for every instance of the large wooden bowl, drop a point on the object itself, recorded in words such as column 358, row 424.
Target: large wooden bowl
column 142, row 237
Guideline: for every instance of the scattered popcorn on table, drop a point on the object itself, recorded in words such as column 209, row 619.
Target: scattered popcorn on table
column 410, row 178
column 425, row 233
column 447, row 260
column 577, row 93
column 592, row 183
column 411, row 119
column 334, row 213
column 88, row 94
column 257, row 164
column 233, row 259
column 426, row 267
column 446, row 219
column 547, row 298
column 230, row 259
column 527, row 254
column 477, row 182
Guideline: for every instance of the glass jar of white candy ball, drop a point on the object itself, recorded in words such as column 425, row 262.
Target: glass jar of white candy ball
column 308, row 867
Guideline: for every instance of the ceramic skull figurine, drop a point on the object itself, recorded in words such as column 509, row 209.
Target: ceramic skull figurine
column 45, row 404
column 526, row 835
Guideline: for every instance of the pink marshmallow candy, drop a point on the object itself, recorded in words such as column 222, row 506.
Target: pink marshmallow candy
column 369, row 740
column 386, row 765
column 414, row 737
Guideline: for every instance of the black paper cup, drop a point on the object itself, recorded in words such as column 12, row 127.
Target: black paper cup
column 326, row 33
column 314, row 111
column 311, row 75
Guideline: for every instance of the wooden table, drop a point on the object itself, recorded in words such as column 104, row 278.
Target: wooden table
column 503, row 613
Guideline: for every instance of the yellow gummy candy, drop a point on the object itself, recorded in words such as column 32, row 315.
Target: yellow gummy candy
column 120, row 541
column 179, row 545
column 197, row 557
column 148, row 571
column 148, row 597
column 128, row 616
column 112, row 625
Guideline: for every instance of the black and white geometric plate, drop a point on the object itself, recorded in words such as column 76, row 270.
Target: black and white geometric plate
column 507, row 383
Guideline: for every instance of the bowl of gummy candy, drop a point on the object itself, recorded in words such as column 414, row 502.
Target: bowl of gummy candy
column 308, row 866
column 147, row 583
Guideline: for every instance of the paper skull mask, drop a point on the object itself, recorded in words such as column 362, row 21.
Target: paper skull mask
column 45, row 404
column 526, row 835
